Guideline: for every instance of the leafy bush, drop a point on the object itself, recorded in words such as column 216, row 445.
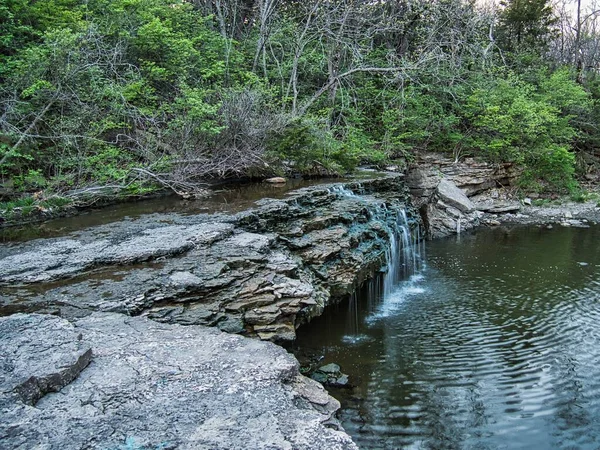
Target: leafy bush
column 518, row 122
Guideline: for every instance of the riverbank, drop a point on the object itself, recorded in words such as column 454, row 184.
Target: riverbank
column 261, row 272
column 454, row 197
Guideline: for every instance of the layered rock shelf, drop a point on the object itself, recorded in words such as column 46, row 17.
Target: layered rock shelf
column 260, row 273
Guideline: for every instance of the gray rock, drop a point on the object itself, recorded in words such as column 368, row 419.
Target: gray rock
column 453, row 196
column 65, row 258
column 341, row 381
column 331, row 368
column 154, row 385
column 38, row 355
column 503, row 208
column 330, row 375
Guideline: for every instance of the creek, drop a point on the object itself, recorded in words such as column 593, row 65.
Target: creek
column 492, row 342
column 227, row 199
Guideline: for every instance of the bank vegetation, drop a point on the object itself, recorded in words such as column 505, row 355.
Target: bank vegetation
column 123, row 97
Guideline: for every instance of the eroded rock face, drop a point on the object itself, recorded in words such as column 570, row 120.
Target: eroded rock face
column 259, row 273
column 445, row 208
column 152, row 385
column 452, row 196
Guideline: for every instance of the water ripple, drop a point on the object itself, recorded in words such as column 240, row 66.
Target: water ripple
column 496, row 345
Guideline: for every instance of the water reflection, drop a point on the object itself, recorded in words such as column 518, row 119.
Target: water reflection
column 227, row 199
column 495, row 344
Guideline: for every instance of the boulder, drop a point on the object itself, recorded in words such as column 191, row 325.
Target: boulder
column 449, row 193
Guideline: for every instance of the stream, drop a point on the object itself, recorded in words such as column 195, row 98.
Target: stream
column 489, row 340
column 493, row 344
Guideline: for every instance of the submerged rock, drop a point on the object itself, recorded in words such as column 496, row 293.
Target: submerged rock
column 276, row 180
column 153, row 385
column 330, row 375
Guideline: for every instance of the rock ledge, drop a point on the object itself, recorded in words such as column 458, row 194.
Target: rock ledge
column 153, row 385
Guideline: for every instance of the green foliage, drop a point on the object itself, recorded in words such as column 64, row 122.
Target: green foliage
column 526, row 25
column 91, row 90
column 519, row 122
column 31, row 180
column 420, row 121
column 303, row 144
column 108, row 164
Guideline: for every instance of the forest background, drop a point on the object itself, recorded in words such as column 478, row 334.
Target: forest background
column 123, row 97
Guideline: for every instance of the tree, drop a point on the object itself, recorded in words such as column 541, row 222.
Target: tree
column 526, row 25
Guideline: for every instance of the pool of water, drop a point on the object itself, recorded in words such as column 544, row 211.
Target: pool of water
column 494, row 344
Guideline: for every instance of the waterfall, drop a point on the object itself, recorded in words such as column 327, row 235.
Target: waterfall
column 404, row 254
column 405, row 250
column 341, row 190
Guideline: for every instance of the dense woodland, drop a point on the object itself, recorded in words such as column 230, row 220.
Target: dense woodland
column 131, row 95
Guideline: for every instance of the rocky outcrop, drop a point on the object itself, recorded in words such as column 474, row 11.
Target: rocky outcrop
column 472, row 176
column 152, row 385
column 260, row 273
column 453, row 196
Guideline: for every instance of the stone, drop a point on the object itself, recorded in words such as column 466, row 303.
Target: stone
column 39, row 354
column 276, row 180
column 453, row 196
column 341, row 381
column 64, row 258
column 154, row 385
column 504, row 208
column 331, row 368
column 185, row 279
column 527, row 201
column 320, row 377
column 568, row 215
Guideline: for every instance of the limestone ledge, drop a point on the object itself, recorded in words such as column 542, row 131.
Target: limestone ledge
column 108, row 381
column 261, row 273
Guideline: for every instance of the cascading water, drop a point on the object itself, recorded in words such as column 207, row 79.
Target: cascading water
column 405, row 251
column 342, row 191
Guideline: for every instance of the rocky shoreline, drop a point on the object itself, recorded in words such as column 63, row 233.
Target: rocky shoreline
column 454, row 197
column 111, row 307
column 115, row 382
column 105, row 335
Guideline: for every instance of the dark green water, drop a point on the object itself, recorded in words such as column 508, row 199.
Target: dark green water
column 495, row 344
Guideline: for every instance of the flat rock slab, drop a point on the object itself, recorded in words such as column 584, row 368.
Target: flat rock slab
column 153, row 385
column 38, row 355
column 57, row 259
column 453, row 196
